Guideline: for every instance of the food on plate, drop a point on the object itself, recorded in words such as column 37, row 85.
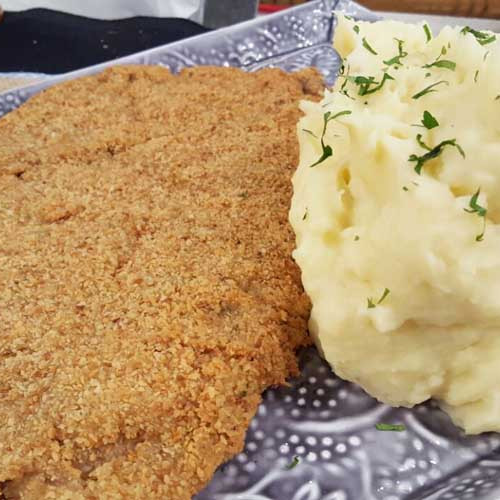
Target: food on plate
column 396, row 210
column 147, row 296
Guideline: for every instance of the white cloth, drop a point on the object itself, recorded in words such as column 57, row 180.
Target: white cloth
column 115, row 9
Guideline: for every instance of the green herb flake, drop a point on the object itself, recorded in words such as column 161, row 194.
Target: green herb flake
column 361, row 80
column 482, row 37
column 401, row 54
column 428, row 89
column 432, row 153
column 390, row 427
column 475, row 208
column 405, row 188
column 347, row 94
column 427, row 75
column 295, row 461
column 384, row 295
column 356, row 29
column 372, row 304
column 345, row 73
column 356, row 238
column 339, row 114
column 368, row 47
column 422, row 144
column 476, row 74
column 304, row 217
column 428, row 32
column 327, row 150
column 442, row 63
column 428, row 121
column 365, row 83
column 497, row 97
column 348, row 17
column 380, row 85
column 307, row 131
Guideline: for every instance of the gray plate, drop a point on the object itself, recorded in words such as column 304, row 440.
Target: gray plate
column 326, row 422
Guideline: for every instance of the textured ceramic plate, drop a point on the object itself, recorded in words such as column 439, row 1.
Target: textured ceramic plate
column 326, row 422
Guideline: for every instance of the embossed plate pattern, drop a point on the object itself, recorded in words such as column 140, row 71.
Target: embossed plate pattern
column 329, row 424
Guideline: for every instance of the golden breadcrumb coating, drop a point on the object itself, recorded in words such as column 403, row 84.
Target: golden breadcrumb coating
column 147, row 294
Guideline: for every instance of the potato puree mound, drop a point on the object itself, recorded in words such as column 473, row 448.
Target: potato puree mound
column 396, row 209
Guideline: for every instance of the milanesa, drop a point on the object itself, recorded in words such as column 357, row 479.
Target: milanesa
column 147, row 296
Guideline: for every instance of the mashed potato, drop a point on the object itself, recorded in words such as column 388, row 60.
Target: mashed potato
column 396, row 210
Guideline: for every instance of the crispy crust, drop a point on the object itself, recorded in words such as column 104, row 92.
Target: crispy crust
column 147, row 296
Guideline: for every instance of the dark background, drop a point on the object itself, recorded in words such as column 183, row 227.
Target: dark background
column 45, row 41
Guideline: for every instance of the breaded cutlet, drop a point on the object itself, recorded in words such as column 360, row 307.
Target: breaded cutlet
column 147, row 293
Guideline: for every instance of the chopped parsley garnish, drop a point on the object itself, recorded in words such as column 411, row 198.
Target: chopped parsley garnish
column 390, row 427
column 428, row 89
column 432, row 152
column 361, row 80
column 405, row 188
column 356, row 28
column 422, row 144
column 340, row 113
column 475, row 208
column 497, row 97
column 293, row 463
column 427, row 31
column 401, row 54
column 365, row 83
column 428, row 121
column 368, row 47
column 372, row 304
column 476, row 74
column 384, row 295
column 345, row 74
column 309, row 132
column 327, row 150
column 356, row 238
column 482, row 37
column 443, row 63
column 304, row 217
